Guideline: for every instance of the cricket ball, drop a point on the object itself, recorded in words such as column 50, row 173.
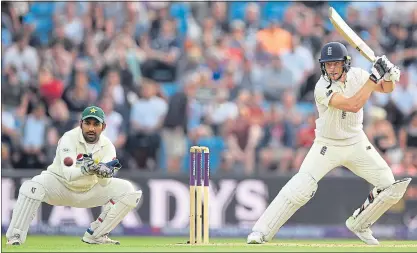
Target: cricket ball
column 68, row 161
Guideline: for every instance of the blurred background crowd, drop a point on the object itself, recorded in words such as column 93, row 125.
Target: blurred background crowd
column 237, row 77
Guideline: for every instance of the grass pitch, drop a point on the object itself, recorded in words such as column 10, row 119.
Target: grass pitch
column 177, row 244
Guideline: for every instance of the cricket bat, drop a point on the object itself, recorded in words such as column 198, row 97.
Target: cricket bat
column 350, row 36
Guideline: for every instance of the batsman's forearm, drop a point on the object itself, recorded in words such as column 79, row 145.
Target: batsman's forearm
column 359, row 99
column 387, row 86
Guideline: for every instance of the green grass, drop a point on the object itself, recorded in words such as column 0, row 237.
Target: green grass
column 176, row 244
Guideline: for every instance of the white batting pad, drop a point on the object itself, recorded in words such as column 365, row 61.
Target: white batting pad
column 103, row 214
column 376, row 204
column 296, row 193
column 116, row 213
column 30, row 197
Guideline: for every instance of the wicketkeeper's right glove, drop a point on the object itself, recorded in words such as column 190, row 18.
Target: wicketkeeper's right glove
column 86, row 165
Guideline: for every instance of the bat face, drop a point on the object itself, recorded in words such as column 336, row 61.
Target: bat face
column 350, row 36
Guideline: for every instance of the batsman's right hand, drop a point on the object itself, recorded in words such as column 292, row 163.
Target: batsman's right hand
column 393, row 75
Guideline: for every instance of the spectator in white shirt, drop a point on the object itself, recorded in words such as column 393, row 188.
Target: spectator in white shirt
column 23, row 57
column 146, row 119
column 10, row 133
column 81, row 8
column 221, row 111
column 252, row 23
column 275, row 79
column 404, row 95
column 34, row 139
column 300, row 60
column 115, row 89
column 74, row 28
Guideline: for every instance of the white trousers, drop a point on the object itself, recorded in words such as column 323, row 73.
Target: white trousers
column 360, row 158
column 57, row 194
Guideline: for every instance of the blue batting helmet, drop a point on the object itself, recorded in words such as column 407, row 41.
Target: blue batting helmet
column 334, row 51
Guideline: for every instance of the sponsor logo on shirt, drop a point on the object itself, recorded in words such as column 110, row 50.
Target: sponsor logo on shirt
column 329, row 92
column 80, row 159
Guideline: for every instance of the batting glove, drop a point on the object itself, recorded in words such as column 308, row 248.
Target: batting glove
column 381, row 66
column 393, row 75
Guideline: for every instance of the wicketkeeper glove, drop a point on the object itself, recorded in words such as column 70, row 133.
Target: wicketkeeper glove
column 107, row 170
column 381, row 66
column 86, row 165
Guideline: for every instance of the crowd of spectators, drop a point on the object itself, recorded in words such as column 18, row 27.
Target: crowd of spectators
column 237, row 77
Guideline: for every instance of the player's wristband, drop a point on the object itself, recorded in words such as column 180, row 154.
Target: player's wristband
column 373, row 78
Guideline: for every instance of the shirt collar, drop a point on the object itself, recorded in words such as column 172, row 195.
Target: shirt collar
column 343, row 84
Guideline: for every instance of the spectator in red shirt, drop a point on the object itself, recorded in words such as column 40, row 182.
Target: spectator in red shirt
column 307, row 134
column 305, row 139
column 50, row 88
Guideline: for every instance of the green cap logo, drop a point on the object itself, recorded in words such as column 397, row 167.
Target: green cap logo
column 93, row 112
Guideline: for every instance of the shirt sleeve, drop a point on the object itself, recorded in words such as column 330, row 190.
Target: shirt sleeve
column 323, row 95
column 67, row 148
column 134, row 112
column 164, row 108
column 363, row 77
column 9, row 55
column 109, row 154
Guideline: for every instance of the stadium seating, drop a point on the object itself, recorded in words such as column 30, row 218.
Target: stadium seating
column 237, row 10
column 274, row 10
column 341, row 8
column 216, row 145
column 180, row 12
column 42, row 14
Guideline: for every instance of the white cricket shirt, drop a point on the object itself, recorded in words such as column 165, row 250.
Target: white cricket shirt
column 334, row 126
column 72, row 144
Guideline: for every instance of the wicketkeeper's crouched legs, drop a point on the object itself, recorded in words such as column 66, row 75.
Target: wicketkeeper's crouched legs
column 376, row 204
column 31, row 195
column 296, row 193
column 113, row 213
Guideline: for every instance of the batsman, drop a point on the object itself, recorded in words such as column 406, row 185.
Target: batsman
column 81, row 176
column 340, row 95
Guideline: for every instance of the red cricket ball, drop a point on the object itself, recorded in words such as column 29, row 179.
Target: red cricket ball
column 68, row 161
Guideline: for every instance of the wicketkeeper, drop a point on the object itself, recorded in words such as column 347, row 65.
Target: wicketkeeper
column 85, row 182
